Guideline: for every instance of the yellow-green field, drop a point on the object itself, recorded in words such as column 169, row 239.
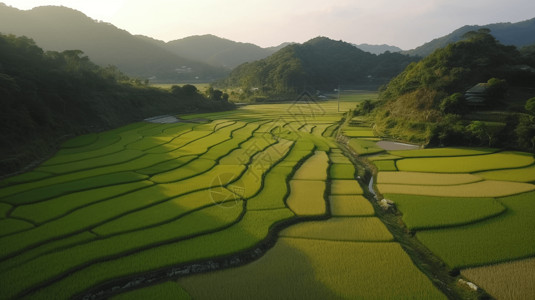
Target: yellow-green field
column 144, row 197
column 469, row 206
column 509, row 281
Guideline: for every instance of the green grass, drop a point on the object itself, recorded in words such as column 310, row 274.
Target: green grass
column 307, row 197
column 163, row 291
column 507, row 237
column 424, row 212
column 466, row 164
column 312, row 269
column 350, row 205
column 364, row 229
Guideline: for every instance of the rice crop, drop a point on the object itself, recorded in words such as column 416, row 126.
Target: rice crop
column 272, row 194
column 419, row 178
column 526, row 174
column 385, row 165
column 41, row 212
column 4, row 209
column 350, row 205
column 488, row 188
column 42, row 193
column 166, row 290
column 342, row 171
column 341, row 229
column 252, row 228
column 314, row 168
column 193, row 168
column 307, row 197
column 424, row 212
column 345, row 187
column 466, row 164
column 9, row 225
column 509, row 236
column 446, row 152
column 362, row 146
column 511, row 280
column 61, row 261
column 313, row 269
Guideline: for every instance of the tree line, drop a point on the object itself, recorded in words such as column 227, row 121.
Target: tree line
column 47, row 96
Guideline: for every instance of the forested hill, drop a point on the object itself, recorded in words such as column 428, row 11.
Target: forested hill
column 517, row 34
column 217, row 51
column 49, row 95
column 319, row 64
column 429, row 100
column 61, row 28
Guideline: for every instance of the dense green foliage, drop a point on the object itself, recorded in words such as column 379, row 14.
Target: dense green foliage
column 518, row 34
column 427, row 103
column 49, row 95
column 58, row 28
column 319, row 64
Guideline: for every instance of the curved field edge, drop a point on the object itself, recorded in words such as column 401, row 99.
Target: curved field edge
column 300, row 268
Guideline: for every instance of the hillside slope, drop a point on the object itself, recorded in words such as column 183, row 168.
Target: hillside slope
column 517, row 34
column 60, row 28
column 49, row 96
column 217, row 51
column 429, row 101
column 319, row 64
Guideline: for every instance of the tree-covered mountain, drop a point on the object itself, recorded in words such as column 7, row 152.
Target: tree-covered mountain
column 378, row 49
column 517, row 34
column 319, row 64
column 217, row 51
column 60, row 28
column 46, row 96
column 436, row 100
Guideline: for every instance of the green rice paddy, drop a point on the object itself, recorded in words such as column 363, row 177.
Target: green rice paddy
column 145, row 197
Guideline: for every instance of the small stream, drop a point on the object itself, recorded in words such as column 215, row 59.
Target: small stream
column 370, row 188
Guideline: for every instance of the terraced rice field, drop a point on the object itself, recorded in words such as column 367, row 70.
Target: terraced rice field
column 324, row 259
column 113, row 205
column 472, row 207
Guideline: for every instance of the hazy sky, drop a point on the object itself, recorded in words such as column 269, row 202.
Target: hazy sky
column 403, row 23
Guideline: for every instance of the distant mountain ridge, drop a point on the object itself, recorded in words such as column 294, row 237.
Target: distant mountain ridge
column 318, row 64
column 378, row 49
column 517, row 34
column 218, row 51
column 61, row 28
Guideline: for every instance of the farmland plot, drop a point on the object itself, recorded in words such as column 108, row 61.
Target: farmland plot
column 146, row 197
